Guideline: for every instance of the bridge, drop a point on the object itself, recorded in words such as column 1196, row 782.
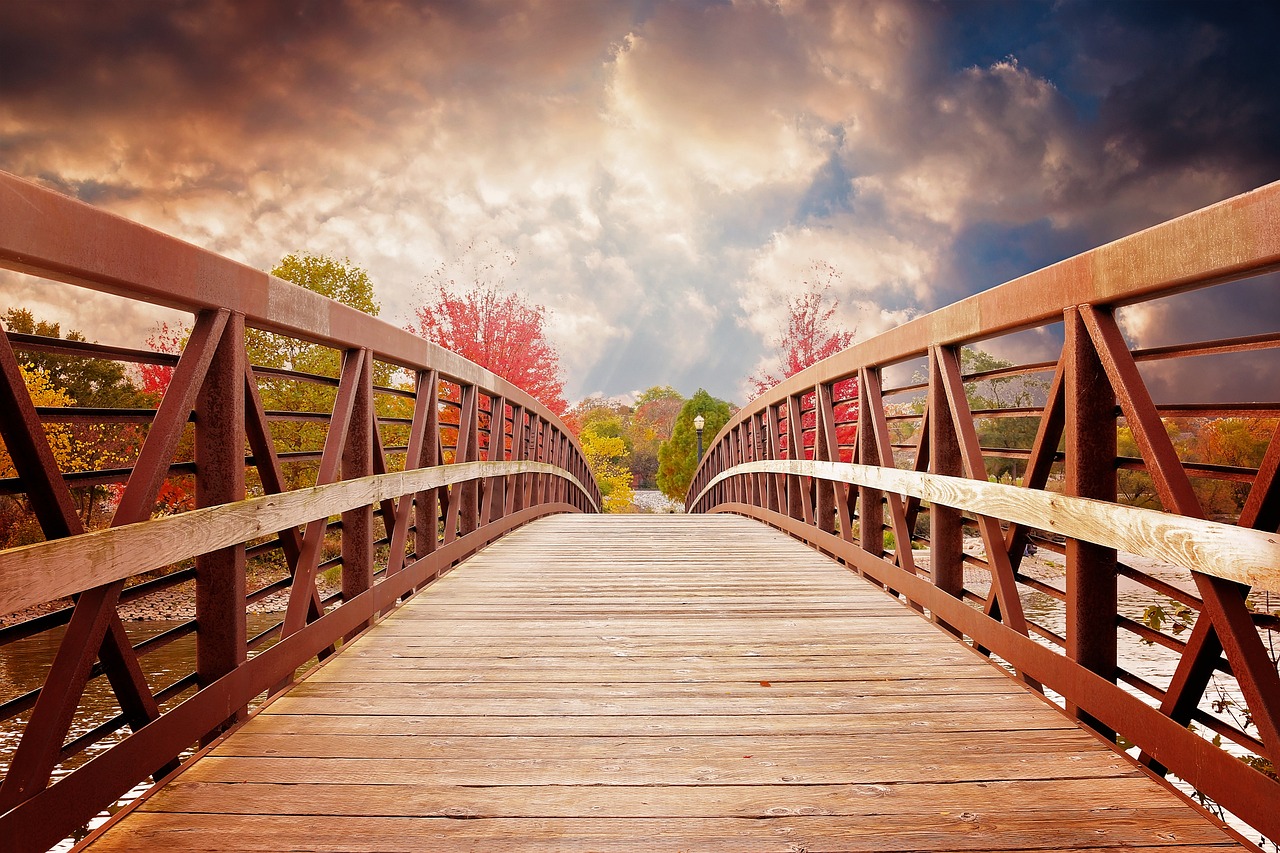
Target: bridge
column 836, row 649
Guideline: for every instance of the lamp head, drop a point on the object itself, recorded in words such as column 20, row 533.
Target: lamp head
column 699, row 422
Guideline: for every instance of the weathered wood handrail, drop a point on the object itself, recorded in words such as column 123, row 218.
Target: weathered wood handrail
column 34, row 574
column 1223, row 550
column 822, row 455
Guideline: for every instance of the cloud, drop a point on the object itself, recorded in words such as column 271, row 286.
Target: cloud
column 664, row 171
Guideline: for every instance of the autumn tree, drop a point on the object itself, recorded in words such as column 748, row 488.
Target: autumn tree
column 576, row 416
column 87, row 382
column 678, row 457
column 810, row 332
column 607, row 450
column 18, row 525
column 1238, row 442
column 468, row 310
column 652, row 421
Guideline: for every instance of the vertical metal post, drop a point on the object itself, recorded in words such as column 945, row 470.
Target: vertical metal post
column 357, row 461
column 870, row 501
column 426, row 505
column 946, row 541
column 220, row 449
column 825, row 447
column 1090, row 473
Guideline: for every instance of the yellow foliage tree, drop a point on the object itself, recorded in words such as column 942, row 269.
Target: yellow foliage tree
column 44, row 393
column 606, row 457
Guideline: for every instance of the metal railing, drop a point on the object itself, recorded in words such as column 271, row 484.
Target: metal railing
column 893, row 459
column 396, row 460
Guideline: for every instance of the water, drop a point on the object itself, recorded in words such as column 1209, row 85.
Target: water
column 25, row 663
column 1153, row 662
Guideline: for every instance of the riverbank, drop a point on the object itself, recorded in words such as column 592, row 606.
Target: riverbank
column 176, row 603
column 651, row 500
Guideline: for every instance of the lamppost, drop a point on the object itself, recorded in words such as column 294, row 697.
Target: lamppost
column 698, row 423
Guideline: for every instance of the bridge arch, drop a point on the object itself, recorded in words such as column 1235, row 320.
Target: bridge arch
column 862, row 460
column 401, row 483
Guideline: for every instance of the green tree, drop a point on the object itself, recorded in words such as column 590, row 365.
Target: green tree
column 678, row 457
column 344, row 282
column 991, row 392
column 94, row 382
column 1002, row 392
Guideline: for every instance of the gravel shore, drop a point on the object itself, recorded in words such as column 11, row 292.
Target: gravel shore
column 175, row 603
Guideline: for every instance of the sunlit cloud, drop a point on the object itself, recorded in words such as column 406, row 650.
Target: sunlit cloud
column 664, row 172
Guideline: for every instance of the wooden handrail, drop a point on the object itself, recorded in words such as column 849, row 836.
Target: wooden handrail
column 58, row 568
column 1250, row 557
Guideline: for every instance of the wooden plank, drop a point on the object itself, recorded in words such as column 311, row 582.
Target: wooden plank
column 1021, row 720
column 585, row 772
column 705, row 801
column 790, row 706
column 822, row 748
column 957, row 830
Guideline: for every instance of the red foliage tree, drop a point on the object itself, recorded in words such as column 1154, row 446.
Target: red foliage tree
column 498, row 329
column 167, row 339
column 810, row 333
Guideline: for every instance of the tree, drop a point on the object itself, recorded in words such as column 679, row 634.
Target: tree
column 86, row 382
column 810, row 333
column 94, row 382
column 1237, row 442
column 990, row 392
column 605, row 446
column 1001, row 392
column 1136, row 488
column 652, row 422
column 342, row 281
column 678, row 457
column 500, row 330
column 18, row 525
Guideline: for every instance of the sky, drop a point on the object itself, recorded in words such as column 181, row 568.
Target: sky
column 664, row 173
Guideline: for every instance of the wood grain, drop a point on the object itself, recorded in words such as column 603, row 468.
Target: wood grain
column 734, row 691
column 1250, row 557
column 34, row 574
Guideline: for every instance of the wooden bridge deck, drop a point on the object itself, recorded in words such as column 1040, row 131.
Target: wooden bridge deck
column 647, row 683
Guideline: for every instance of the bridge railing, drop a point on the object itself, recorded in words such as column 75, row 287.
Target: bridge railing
column 932, row 481
column 338, row 479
